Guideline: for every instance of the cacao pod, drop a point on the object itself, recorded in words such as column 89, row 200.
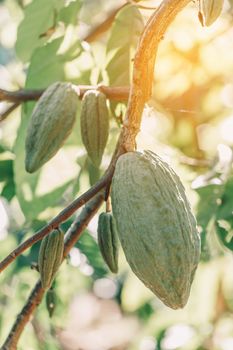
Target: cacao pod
column 50, row 124
column 50, row 257
column 108, row 240
column 94, row 125
column 209, row 11
column 155, row 225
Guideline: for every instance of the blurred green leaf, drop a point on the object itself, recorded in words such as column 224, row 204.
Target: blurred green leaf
column 121, row 46
column 224, row 216
column 69, row 14
column 8, row 190
column 6, row 170
column 225, row 210
column 89, row 247
column 39, row 16
column 122, row 43
column 209, row 197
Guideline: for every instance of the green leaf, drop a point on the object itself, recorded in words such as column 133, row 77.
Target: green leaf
column 6, row 169
column 208, row 203
column 40, row 15
column 90, row 248
column 121, row 47
column 224, row 216
column 224, row 231
column 69, row 14
column 8, row 190
column 122, row 44
column 225, row 210
column 46, row 67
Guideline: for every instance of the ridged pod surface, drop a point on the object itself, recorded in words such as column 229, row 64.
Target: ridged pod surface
column 155, row 225
column 51, row 123
column 210, row 10
column 108, row 240
column 50, row 257
column 94, row 125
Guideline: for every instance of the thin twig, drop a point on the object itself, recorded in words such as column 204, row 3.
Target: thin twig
column 194, row 162
column 20, row 95
column 37, row 293
column 118, row 93
column 61, row 217
column 8, row 111
column 102, row 27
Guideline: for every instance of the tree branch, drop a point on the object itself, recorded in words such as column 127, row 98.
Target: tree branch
column 143, row 71
column 61, row 217
column 8, row 111
column 117, row 93
column 102, row 27
column 37, row 293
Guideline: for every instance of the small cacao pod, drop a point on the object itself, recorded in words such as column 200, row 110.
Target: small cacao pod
column 209, row 11
column 50, row 257
column 155, row 225
column 50, row 124
column 108, row 240
column 94, row 125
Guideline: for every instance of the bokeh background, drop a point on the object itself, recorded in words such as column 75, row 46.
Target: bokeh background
column 189, row 121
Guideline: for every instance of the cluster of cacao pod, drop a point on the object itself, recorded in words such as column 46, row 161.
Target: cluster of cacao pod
column 52, row 121
column 150, row 212
column 155, row 225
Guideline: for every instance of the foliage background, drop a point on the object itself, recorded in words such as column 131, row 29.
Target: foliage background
column 189, row 121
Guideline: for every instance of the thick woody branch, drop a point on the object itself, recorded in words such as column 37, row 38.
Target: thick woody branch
column 37, row 293
column 143, row 71
column 61, row 217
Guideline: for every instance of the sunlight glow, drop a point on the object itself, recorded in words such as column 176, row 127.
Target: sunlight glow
column 105, row 288
column 226, row 129
column 177, row 336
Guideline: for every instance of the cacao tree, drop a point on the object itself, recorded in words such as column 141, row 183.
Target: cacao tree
column 119, row 112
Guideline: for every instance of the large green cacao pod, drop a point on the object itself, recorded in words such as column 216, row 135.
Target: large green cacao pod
column 155, row 224
column 94, row 125
column 50, row 257
column 108, row 240
column 50, row 124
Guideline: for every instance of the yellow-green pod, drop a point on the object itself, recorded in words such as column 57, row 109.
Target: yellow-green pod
column 108, row 240
column 50, row 257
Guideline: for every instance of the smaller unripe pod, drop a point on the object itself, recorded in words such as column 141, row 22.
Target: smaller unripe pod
column 108, row 240
column 94, row 125
column 50, row 257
